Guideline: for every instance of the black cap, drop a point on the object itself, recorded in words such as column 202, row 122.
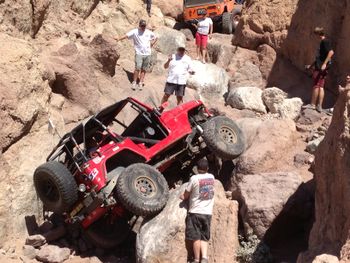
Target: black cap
column 142, row 23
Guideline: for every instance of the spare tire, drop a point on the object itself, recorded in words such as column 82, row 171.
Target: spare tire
column 56, row 187
column 223, row 137
column 142, row 190
column 106, row 233
column 227, row 23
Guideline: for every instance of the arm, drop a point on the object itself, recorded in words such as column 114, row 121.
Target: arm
column 154, row 41
column 211, row 29
column 166, row 65
column 120, row 38
column 185, row 195
column 329, row 57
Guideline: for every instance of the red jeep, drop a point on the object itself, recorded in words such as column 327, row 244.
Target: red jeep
column 119, row 162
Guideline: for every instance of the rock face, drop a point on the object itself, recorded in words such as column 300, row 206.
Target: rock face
column 248, row 75
column 209, row 80
column 162, row 239
column 262, row 197
column 169, row 40
column 273, row 98
column 330, row 230
column 172, row 9
column 246, row 98
column 269, row 144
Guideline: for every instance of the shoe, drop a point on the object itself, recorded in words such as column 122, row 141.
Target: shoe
column 319, row 108
column 141, row 85
column 204, row 260
column 134, row 85
column 309, row 106
column 149, row 14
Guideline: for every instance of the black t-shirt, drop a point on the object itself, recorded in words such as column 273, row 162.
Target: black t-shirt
column 325, row 47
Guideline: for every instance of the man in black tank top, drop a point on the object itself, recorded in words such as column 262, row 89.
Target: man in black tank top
column 321, row 66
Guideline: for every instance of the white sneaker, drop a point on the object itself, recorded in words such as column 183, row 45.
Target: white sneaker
column 141, row 85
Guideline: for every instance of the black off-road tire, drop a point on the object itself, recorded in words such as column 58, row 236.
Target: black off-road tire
column 56, row 187
column 106, row 234
column 142, row 190
column 223, row 137
column 227, row 23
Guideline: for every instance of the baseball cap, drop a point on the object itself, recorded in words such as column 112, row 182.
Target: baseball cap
column 181, row 47
column 142, row 23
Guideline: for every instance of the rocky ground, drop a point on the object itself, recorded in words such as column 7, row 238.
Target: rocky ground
column 59, row 61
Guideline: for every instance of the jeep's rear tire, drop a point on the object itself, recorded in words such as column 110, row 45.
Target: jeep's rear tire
column 106, row 234
column 227, row 23
column 56, row 187
column 223, row 137
column 142, row 190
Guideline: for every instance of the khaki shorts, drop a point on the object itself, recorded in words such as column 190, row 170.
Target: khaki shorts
column 142, row 62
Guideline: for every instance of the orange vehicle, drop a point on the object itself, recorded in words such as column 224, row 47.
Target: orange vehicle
column 224, row 13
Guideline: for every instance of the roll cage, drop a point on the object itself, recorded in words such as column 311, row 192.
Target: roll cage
column 75, row 144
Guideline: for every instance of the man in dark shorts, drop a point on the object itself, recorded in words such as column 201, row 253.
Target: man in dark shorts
column 180, row 66
column 200, row 193
column 321, row 67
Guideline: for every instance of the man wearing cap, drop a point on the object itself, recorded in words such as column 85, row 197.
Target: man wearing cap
column 180, row 66
column 144, row 40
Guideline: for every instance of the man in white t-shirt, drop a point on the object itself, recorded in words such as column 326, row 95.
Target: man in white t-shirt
column 144, row 40
column 204, row 30
column 180, row 66
column 200, row 193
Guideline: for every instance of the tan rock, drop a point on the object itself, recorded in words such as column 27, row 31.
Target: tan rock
column 162, row 238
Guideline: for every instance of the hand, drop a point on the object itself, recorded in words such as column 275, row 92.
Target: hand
column 324, row 66
column 182, row 197
column 117, row 39
column 307, row 66
column 192, row 72
column 210, row 36
column 170, row 57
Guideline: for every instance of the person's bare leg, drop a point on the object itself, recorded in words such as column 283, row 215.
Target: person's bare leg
column 136, row 75
column 204, row 249
column 165, row 98
column 142, row 76
column 197, row 250
column 315, row 94
column 198, row 49
column 204, row 53
column 179, row 100
column 320, row 97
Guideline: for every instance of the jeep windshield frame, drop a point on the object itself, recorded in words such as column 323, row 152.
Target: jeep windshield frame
column 193, row 3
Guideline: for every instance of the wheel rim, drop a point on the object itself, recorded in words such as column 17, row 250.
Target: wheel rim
column 145, row 187
column 49, row 190
column 228, row 135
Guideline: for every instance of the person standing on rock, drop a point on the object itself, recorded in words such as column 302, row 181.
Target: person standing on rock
column 180, row 66
column 200, row 193
column 204, row 30
column 321, row 67
column 144, row 40
column 148, row 7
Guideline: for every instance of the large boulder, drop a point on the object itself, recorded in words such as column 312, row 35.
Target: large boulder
column 162, row 239
column 262, row 197
column 169, row 40
column 246, row 98
column 273, row 98
column 248, row 75
column 209, row 80
column 290, row 108
column 84, row 8
column 170, row 8
column 250, row 127
column 268, row 148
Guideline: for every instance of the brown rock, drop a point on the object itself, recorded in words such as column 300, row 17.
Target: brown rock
column 330, row 230
column 172, row 9
column 162, row 238
column 262, row 198
column 267, row 152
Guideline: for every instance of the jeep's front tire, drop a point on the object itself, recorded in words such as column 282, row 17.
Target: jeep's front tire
column 56, row 187
column 223, row 137
column 142, row 190
column 227, row 23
